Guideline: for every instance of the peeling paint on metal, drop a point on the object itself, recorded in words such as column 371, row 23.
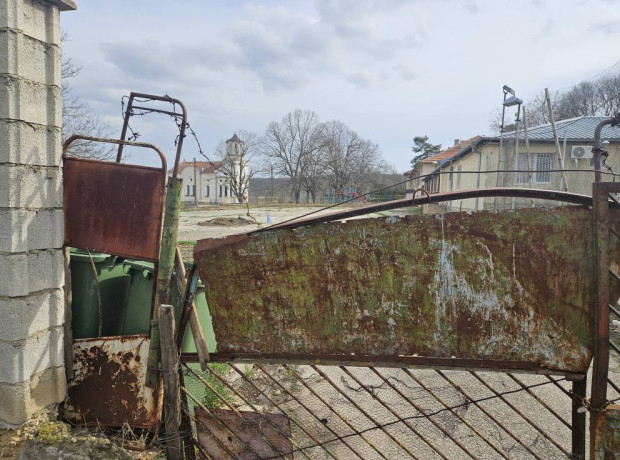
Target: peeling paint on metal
column 608, row 446
column 107, row 386
column 516, row 286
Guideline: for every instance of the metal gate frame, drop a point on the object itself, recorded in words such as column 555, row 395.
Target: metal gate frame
column 601, row 201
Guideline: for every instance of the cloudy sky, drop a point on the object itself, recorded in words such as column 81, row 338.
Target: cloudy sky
column 390, row 69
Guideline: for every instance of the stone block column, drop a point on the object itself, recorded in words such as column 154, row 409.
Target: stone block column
column 31, row 221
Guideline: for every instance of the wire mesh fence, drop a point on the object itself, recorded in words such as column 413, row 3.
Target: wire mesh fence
column 301, row 411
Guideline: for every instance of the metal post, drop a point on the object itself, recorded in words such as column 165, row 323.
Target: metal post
column 579, row 420
column 172, row 389
column 564, row 185
column 598, row 393
column 165, row 267
column 195, row 186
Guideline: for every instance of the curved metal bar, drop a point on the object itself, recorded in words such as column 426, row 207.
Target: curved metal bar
column 597, row 150
column 153, row 97
column 76, row 137
column 554, row 195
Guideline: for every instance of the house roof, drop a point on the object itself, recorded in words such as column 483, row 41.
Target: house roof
column 451, row 152
column 202, row 166
column 580, row 129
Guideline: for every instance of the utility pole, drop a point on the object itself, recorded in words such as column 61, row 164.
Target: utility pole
column 271, row 169
column 564, row 184
column 195, row 186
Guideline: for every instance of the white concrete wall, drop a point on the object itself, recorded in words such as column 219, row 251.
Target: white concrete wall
column 31, row 221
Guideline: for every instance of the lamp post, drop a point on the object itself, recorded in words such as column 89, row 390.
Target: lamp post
column 507, row 102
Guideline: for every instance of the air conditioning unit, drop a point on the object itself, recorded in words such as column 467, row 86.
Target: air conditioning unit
column 581, row 152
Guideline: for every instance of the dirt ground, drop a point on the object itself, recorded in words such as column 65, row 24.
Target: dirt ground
column 191, row 230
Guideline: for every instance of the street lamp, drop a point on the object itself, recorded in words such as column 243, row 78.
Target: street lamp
column 507, row 102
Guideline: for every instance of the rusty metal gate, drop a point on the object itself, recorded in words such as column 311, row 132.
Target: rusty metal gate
column 372, row 412
column 453, row 336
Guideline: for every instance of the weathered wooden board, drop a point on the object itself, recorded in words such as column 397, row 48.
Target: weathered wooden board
column 514, row 287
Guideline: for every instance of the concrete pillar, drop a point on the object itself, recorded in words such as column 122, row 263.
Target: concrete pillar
column 31, row 221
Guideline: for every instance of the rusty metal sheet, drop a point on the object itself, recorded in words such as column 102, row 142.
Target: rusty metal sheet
column 608, row 434
column 107, row 386
column 253, row 435
column 113, row 207
column 503, row 290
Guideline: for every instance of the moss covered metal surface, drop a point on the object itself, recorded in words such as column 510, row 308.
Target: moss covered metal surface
column 513, row 286
column 608, row 447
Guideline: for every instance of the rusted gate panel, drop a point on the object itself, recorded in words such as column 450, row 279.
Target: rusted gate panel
column 609, row 433
column 113, row 207
column 243, row 435
column 108, row 383
column 512, row 290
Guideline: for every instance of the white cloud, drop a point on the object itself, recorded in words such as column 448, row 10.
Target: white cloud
column 391, row 69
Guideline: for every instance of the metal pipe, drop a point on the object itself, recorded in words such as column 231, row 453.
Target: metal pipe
column 488, row 414
column 579, row 420
column 152, row 97
column 264, row 393
column 362, row 411
column 337, row 436
column 523, row 416
column 553, row 195
column 473, row 149
column 339, row 415
column 540, row 401
column 455, row 413
column 164, row 270
column 598, row 142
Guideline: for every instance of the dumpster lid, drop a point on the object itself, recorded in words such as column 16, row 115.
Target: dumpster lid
column 81, row 255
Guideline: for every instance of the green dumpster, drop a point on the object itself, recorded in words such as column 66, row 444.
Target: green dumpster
column 114, row 288
column 137, row 317
column 204, row 317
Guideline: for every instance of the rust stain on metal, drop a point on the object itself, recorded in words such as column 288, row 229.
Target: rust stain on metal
column 608, row 434
column 107, row 386
column 250, row 436
column 113, row 207
column 508, row 288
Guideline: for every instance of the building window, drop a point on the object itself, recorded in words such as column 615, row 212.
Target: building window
column 543, row 165
column 540, row 165
column 220, row 191
column 187, row 190
column 226, row 190
column 522, row 177
column 190, row 190
column 207, row 191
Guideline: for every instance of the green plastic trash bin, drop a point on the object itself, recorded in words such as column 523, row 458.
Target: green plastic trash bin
column 204, row 317
column 114, row 288
column 138, row 312
column 137, row 319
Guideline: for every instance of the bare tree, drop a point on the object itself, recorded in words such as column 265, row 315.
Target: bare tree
column 79, row 118
column 313, row 174
column 236, row 161
column 349, row 159
column 291, row 145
